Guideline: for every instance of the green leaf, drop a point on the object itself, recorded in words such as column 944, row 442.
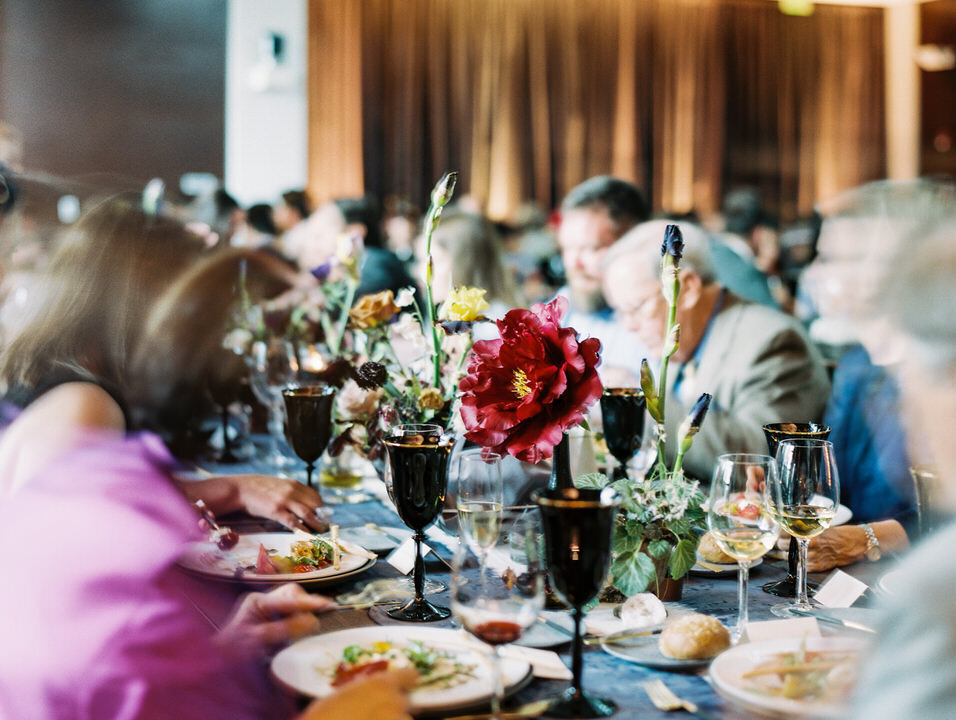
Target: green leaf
column 632, row 573
column 624, row 543
column 635, row 529
column 659, row 549
column 683, row 558
column 591, row 481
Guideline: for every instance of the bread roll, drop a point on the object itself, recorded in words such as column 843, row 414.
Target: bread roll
column 694, row 637
column 710, row 551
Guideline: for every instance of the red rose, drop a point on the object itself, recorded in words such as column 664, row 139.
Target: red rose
column 525, row 389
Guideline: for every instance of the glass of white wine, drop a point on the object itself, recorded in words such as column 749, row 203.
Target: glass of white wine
column 479, row 500
column 804, row 496
column 740, row 518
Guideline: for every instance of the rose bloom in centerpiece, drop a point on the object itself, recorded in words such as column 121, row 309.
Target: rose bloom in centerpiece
column 525, row 388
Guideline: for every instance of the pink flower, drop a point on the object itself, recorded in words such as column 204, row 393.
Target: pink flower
column 525, row 389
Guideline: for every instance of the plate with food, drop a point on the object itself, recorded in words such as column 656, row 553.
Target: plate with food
column 791, row 677
column 281, row 557
column 712, row 561
column 689, row 642
column 453, row 671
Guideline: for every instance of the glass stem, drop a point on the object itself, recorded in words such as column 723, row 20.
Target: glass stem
column 309, row 467
column 499, row 688
column 743, row 573
column 419, row 568
column 802, row 601
column 577, row 662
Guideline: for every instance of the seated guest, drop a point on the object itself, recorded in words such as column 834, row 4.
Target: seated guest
column 109, row 356
column 911, row 673
column 755, row 361
column 290, row 215
column 594, row 215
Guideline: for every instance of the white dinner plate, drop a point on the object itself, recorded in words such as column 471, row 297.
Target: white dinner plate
column 227, row 565
column 893, row 582
column 305, row 666
column 645, row 651
column 727, row 670
column 842, row 517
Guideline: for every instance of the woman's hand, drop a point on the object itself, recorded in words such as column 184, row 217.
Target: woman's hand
column 281, row 499
column 263, row 620
column 383, row 696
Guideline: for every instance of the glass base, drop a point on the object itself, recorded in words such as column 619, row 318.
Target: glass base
column 419, row 610
column 785, row 610
column 787, row 588
column 580, row 704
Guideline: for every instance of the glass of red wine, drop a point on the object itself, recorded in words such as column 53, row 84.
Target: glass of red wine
column 309, row 422
column 418, row 459
column 500, row 600
column 622, row 418
column 577, row 538
column 775, row 432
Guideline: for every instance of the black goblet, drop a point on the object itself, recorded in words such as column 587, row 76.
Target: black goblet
column 775, row 432
column 309, row 422
column 577, row 538
column 418, row 458
column 225, row 388
column 622, row 416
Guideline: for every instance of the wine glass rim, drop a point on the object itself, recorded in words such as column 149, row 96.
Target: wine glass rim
column 308, row 390
column 577, row 498
column 482, row 453
column 745, row 458
column 804, row 428
column 624, row 391
column 804, row 442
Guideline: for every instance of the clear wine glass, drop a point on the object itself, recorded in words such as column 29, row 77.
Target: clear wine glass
column 577, row 537
column 774, row 433
column 739, row 517
column 308, row 410
column 622, row 420
column 804, row 495
column 418, row 458
column 479, row 500
column 501, row 600
column 273, row 367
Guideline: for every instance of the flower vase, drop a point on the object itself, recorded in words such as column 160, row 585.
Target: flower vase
column 561, row 476
column 663, row 585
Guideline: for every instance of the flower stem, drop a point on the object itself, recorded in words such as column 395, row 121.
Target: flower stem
column 662, row 383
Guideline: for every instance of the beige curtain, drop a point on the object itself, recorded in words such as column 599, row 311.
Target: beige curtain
column 527, row 98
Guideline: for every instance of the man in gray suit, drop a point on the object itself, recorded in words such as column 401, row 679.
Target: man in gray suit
column 755, row 361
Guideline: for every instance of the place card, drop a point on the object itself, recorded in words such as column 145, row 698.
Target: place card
column 778, row 629
column 402, row 558
column 839, row 590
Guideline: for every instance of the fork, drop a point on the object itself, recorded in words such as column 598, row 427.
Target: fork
column 665, row 699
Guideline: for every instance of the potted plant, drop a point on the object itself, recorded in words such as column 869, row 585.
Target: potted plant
column 655, row 535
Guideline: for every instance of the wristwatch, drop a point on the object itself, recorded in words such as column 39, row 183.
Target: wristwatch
column 873, row 551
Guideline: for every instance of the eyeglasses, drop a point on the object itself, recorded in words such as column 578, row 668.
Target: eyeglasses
column 641, row 308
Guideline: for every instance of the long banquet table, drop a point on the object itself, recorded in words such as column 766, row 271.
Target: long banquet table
column 604, row 674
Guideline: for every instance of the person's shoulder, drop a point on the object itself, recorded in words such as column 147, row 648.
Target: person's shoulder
column 82, row 405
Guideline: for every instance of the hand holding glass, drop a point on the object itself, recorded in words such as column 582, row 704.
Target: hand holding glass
column 739, row 517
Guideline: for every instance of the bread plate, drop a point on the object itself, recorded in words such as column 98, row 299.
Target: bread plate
column 718, row 569
column 644, row 651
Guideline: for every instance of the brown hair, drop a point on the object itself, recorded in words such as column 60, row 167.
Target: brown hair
column 131, row 302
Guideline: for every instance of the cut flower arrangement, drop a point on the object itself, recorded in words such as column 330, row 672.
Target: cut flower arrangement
column 656, row 535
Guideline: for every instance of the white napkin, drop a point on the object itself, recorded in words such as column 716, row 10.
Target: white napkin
column 544, row 663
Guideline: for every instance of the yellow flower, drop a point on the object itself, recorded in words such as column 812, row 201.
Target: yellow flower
column 464, row 304
column 373, row 310
column 431, row 399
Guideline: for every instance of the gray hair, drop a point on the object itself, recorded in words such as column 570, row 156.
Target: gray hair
column 645, row 240
column 918, row 296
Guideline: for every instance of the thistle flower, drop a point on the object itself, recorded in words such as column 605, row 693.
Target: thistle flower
column 370, row 375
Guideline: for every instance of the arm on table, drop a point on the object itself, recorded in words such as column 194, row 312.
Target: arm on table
column 282, row 499
column 846, row 544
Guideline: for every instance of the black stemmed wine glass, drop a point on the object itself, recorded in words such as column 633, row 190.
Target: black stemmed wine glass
column 775, row 432
column 309, row 422
column 577, row 538
column 418, row 459
column 622, row 417
column 224, row 389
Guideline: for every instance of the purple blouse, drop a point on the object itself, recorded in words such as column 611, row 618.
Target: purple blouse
column 97, row 622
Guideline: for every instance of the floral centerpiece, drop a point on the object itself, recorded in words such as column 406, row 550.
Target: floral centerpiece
column 386, row 388
column 655, row 536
